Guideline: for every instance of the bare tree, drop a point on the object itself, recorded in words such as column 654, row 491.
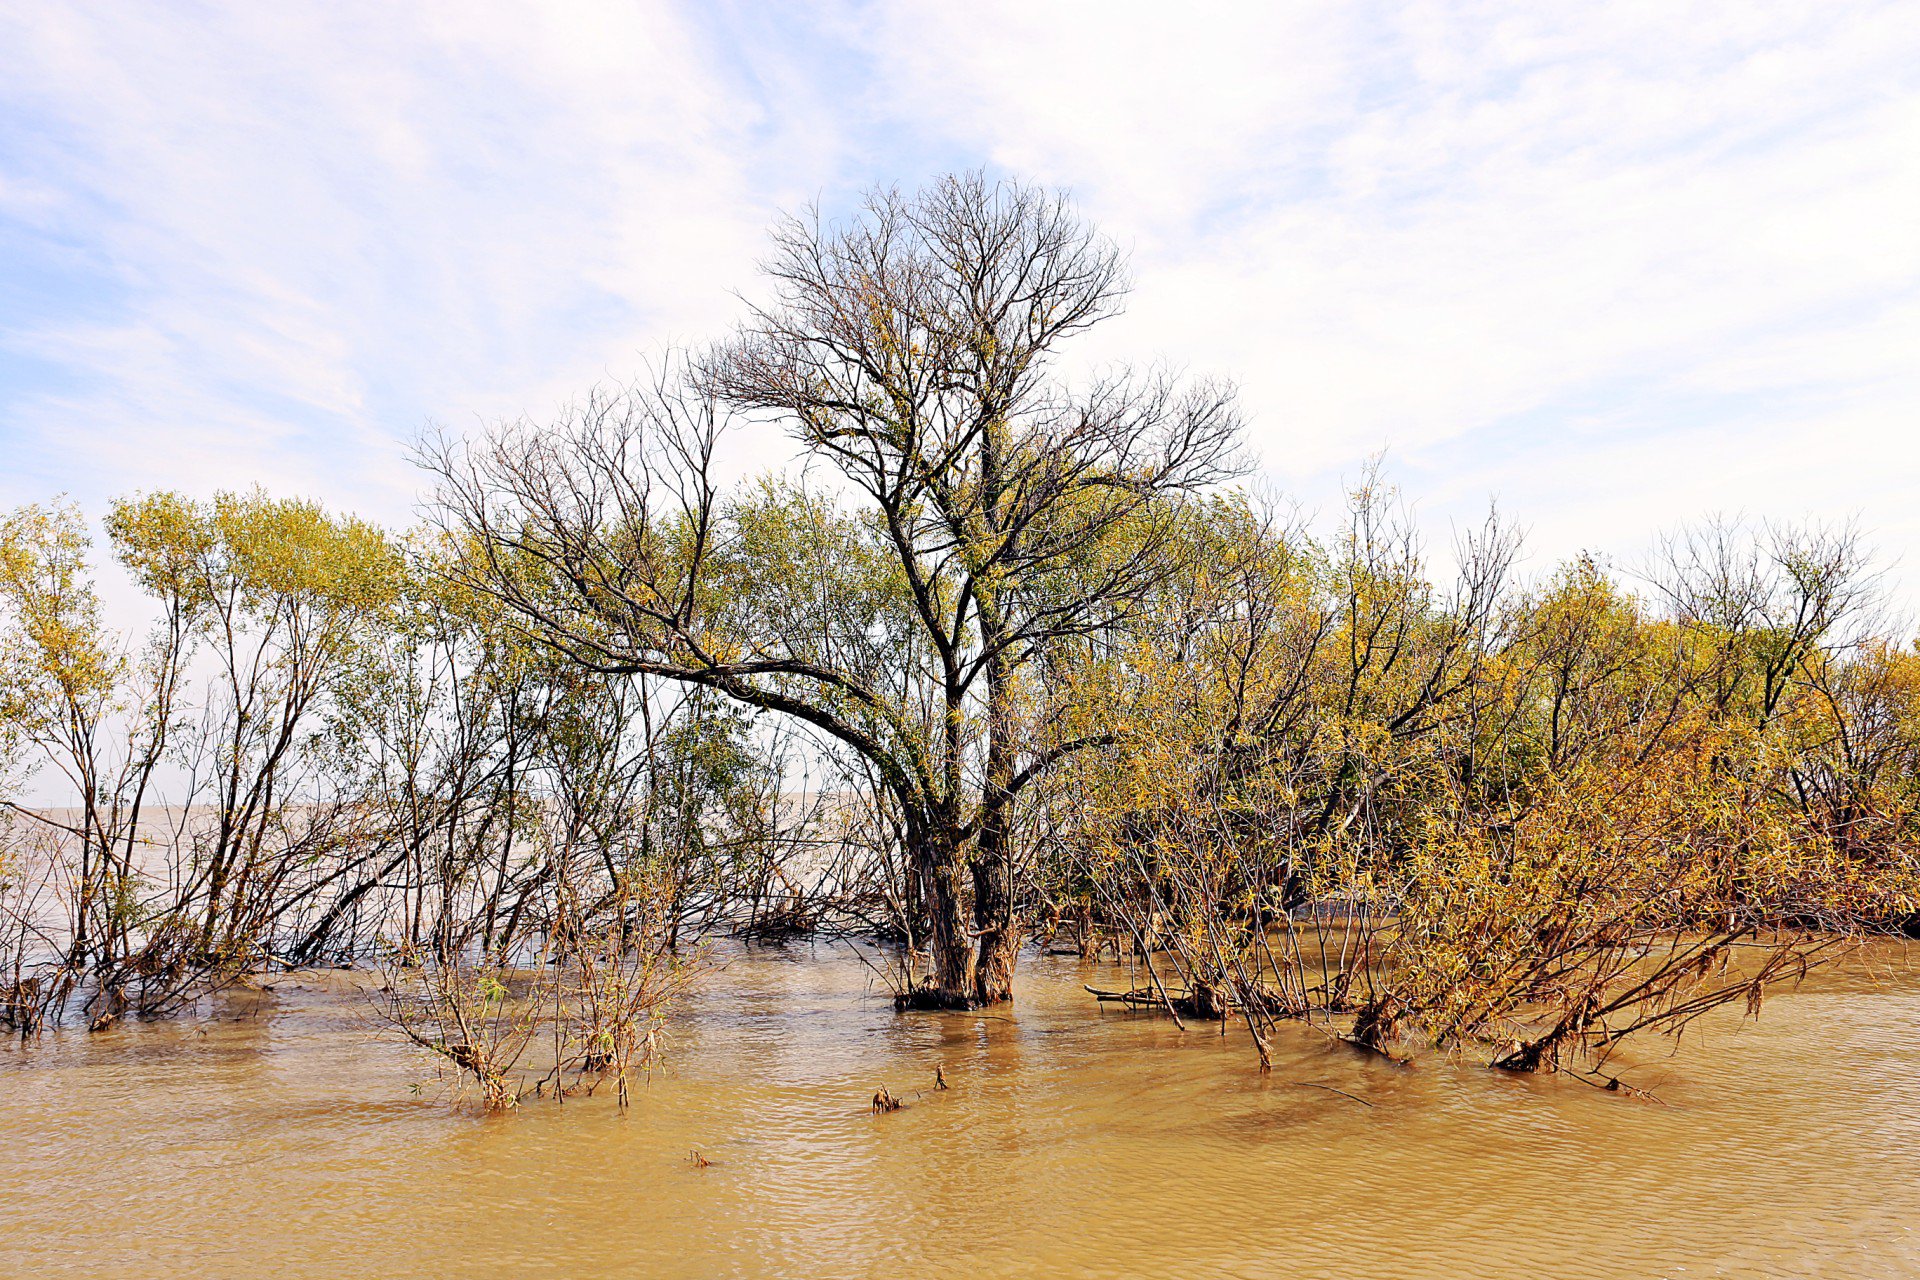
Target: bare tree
column 985, row 514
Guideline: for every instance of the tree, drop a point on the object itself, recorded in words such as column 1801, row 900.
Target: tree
column 984, row 515
column 281, row 594
column 61, row 683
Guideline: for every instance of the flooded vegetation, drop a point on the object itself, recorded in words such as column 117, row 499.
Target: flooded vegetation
column 1232, row 894
column 280, row 1138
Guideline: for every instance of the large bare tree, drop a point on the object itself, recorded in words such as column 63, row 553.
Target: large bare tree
column 983, row 517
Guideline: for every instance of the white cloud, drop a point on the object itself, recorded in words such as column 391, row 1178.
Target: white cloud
column 1410, row 225
column 317, row 226
column 1619, row 262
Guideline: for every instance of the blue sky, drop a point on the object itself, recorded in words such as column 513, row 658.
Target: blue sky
column 1618, row 265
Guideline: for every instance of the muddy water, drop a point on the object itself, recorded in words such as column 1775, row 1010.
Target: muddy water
column 283, row 1141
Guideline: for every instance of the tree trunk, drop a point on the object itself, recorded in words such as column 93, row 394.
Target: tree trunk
column 993, row 906
column 937, row 863
column 993, row 922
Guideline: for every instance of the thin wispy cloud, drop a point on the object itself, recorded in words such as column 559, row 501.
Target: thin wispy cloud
column 279, row 240
column 1620, row 264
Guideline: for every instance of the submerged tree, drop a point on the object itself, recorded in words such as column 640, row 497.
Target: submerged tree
column 1532, row 822
column 138, row 907
column 983, row 515
column 1063, row 680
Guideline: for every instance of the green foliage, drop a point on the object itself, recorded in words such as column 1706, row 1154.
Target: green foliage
column 59, row 674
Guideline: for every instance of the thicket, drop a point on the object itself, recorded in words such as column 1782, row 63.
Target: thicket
column 323, row 751
column 1006, row 658
column 1533, row 817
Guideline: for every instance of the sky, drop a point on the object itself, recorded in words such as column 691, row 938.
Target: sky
column 1616, row 266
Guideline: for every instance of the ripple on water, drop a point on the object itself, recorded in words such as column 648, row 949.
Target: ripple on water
column 280, row 1139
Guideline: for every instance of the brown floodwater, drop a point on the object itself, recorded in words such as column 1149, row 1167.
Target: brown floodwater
column 281, row 1138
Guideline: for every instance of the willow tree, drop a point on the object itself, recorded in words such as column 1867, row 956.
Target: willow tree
column 982, row 518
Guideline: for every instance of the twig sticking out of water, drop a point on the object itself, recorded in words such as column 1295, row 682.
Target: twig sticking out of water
column 1614, row 1084
column 1309, row 1084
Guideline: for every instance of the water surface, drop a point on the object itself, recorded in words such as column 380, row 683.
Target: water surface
column 282, row 1139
